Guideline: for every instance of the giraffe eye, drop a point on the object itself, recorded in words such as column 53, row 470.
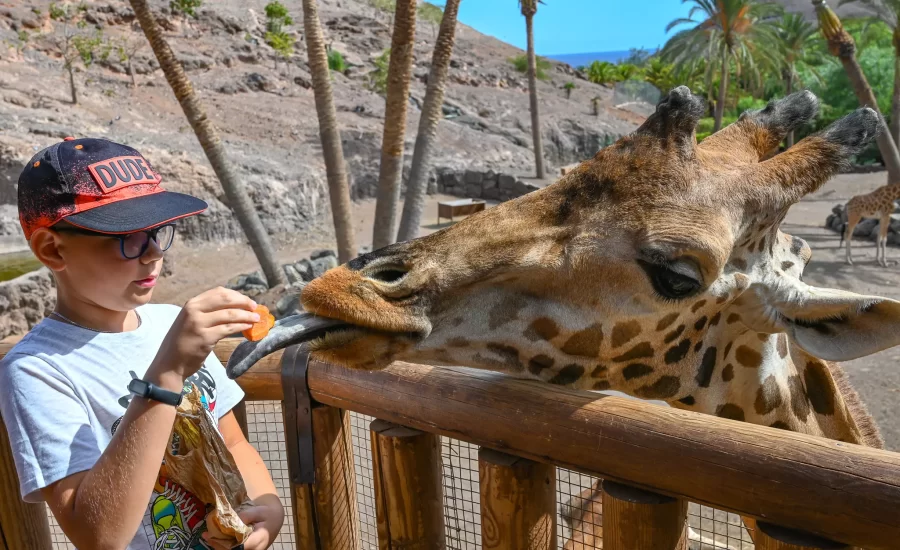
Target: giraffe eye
column 669, row 284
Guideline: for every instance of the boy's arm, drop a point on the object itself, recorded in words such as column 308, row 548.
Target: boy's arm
column 102, row 508
column 267, row 517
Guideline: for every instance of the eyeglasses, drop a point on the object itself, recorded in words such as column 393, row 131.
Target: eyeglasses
column 133, row 245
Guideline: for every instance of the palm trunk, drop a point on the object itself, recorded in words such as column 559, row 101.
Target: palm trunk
column 428, row 123
column 723, row 90
column 789, row 87
column 532, row 92
column 209, row 139
column 335, row 168
column 399, row 71
column 131, row 72
column 72, row 88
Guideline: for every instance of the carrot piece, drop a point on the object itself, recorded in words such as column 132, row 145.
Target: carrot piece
column 259, row 329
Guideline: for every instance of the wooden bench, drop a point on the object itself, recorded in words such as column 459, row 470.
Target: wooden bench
column 460, row 207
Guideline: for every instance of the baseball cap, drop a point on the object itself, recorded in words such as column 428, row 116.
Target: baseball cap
column 97, row 184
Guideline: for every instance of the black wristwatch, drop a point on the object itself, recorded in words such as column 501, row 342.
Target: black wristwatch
column 142, row 388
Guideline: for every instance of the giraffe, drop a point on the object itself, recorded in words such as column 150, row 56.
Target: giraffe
column 877, row 204
column 656, row 268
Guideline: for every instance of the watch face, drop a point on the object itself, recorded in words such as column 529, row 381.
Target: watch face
column 139, row 386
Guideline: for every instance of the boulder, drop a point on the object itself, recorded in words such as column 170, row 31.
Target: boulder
column 25, row 300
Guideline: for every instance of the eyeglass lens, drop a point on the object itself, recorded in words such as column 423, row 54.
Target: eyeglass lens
column 135, row 244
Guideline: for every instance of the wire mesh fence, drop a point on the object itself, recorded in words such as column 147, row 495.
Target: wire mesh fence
column 579, row 508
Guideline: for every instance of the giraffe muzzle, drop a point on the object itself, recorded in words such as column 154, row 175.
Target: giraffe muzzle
column 295, row 329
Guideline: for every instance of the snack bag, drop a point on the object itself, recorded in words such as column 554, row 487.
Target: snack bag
column 198, row 460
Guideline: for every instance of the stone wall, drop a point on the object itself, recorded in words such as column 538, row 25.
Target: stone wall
column 488, row 185
column 867, row 228
column 25, row 300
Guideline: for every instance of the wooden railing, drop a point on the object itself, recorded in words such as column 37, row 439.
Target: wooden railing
column 653, row 460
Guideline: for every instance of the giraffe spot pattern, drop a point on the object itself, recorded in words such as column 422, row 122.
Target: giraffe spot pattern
column 721, row 299
column 585, row 342
column 799, row 401
column 728, row 373
column 768, row 396
column 538, row 363
column 697, row 306
column 701, row 322
column 677, row 353
column 782, row 345
column 748, row 357
column 698, row 346
column 506, row 311
column 689, row 400
column 819, row 388
column 674, row 334
column 707, row 366
column 636, row 370
column 568, row 375
column 715, row 320
column 509, row 355
column 666, row 321
column 542, row 328
column 739, row 264
column 786, row 265
column 624, row 332
column 458, row 342
column 727, row 350
column 599, row 370
column 601, row 385
column 644, row 349
column 779, row 425
column 667, row 386
column 733, row 318
column 731, row 411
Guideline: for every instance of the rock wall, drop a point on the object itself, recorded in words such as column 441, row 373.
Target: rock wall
column 25, row 300
column 488, row 185
column 867, row 229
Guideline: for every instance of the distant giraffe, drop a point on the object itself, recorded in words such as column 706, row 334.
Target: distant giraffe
column 877, row 204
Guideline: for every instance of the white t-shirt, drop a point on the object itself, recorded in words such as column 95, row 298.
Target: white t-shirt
column 63, row 392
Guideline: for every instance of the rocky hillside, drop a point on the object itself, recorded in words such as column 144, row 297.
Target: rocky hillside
column 265, row 110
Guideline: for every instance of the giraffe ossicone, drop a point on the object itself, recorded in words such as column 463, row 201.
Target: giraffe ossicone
column 656, row 268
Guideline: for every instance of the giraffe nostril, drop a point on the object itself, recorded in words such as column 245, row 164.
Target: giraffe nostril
column 388, row 275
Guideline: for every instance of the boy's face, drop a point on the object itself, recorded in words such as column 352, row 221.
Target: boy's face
column 92, row 269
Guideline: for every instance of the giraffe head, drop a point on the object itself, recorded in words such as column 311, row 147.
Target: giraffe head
column 639, row 271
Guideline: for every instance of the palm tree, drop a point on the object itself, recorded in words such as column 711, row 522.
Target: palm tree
column 842, row 46
column 399, row 72
column 335, row 168
column 888, row 11
column 529, row 8
column 729, row 32
column 432, row 113
column 209, row 140
column 795, row 35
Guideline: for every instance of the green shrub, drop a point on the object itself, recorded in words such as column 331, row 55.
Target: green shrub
column 520, row 62
column 389, row 6
column 187, row 8
column 378, row 77
column 336, row 61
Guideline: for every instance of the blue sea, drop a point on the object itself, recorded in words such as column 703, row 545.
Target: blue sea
column 585, row 59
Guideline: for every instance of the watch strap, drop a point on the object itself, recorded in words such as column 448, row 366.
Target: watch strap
column 153, row 392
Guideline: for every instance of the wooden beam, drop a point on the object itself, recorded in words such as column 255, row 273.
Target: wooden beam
column 836, row 490
column 518, row 502
column 23, row 526
column 773, row 537
column 325, row 515
column 634, row 518
column 409, row 495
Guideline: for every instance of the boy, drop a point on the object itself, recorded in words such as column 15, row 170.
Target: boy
column 89, row 394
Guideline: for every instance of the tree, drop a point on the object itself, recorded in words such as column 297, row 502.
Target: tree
column 335, row 167
column 378, row 77
column 730, row 32
column 391, row 170
column 602, row 72
column 187, row 9
column 277, row 18
column 795, row 41
column 209, row 140
column 128, row 47
column 842, row 46
column 888, row 11
column 568, row 87
column 432, row 14
column 520, row 62
column 432, row 113
column 76, row 44
column 529, row 9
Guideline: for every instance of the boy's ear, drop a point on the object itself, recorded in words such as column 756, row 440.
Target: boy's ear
column 45, row 245
column 833, row 324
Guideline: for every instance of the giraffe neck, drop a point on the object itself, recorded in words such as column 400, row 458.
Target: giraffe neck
column 762, row 379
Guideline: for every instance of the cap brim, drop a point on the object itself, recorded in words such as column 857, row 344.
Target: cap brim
column 138, row 213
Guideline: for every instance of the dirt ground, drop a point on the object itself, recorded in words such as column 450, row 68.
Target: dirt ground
column 876, row 377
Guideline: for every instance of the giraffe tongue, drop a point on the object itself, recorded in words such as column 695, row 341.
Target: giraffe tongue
column 290, row 330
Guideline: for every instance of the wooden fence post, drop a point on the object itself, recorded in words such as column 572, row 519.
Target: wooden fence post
column 635, row 518
column 23, row 526
column 325, row 513
column 773, row 537
column 518, row 502
column 409, row 493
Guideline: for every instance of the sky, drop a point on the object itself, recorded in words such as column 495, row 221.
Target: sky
column 576, row 26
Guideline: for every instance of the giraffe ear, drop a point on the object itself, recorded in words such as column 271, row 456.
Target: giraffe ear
column 833, row 324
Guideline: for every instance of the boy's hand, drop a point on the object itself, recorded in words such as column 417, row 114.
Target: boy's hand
column 204, row 320
column 266, row 522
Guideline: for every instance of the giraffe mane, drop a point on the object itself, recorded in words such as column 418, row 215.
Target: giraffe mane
column 859, row 413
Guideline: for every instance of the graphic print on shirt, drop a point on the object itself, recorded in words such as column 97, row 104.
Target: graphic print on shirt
column 202, row 379
column 177, row 516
